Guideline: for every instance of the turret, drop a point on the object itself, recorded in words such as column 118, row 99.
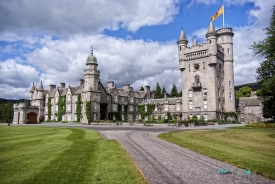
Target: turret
column 182, row 44
column 32, row 90
column 40, row 91
column 195, row 43
column 225, row 40
column 91, row 74
column 211, row 37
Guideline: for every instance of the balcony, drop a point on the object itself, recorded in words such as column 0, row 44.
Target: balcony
column 196, row 86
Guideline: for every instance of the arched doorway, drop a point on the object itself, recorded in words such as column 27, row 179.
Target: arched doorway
column 32, row 118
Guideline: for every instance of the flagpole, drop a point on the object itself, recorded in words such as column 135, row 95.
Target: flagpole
column 223, row 16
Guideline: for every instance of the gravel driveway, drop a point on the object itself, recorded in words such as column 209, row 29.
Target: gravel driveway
column 164, row 162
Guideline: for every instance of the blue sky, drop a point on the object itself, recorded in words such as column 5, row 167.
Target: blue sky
column 135, row 41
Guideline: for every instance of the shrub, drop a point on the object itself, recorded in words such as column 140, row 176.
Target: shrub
column 172, row 121
column 233, row 122
column 41, row 118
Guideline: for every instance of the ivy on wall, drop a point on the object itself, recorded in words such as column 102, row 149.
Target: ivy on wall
column 88, row 111
column 49, row 106
column 61, row 107
column 143, row 113
column 78, row 108
column 230, row 114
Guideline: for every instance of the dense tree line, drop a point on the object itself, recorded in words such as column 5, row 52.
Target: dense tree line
column 160, row 92
column 6, row 111
column 266, row 71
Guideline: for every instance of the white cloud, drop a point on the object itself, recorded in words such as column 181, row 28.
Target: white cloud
column 64, row 17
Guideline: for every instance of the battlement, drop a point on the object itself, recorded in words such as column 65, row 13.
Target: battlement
column 196, row 48
column 195, row 55
column 225, row 31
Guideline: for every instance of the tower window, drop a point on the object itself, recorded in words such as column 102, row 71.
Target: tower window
column 229, row 84
column 209, row 41
column 228, row 51
column 230, row 95
column 190, row 93
column 180, row 48
column 190, row 104
column 204, row 92
column 205, row 104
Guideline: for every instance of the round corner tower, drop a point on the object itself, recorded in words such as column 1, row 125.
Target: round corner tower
column 225, row 40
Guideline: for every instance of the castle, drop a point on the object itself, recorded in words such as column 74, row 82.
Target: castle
column 207, row 89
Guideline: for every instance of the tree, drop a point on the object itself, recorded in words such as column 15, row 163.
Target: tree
column 180, row 94
column 174, row 91
column 244, row 92
column 141, row 88
column 157, row 92
column 163, row 92
column 266, row 71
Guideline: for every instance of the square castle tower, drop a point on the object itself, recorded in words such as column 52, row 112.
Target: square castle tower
column 207, row 74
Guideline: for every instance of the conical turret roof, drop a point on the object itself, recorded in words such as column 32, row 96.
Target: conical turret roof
column 182, row 36
column 40, row 88
column 195, row 43
column 32, row 88
column 211, row 28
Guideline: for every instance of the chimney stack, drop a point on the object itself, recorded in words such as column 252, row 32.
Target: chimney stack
column 62, row 85
column 52, row 87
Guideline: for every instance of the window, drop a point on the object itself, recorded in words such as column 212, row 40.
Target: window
column 68, row 97
column 190, row 94
column 177, row 107
column 230, row 95
column 68, row 107
column 198, row 116
column 228, row 51
column 156, row 108
column 74, row 107
column 122, row 99
column 75, row 98
column 190, row 116
column 205, row 117
column 75, row 117
column 136, row 108
column 122, row 117
column 56, row 99
column 115, row 98
column 197, row 79
column 56, row 108
column 131, row 99
column 180, row 48
column 46, row 109
column 122, row 108
column 114, row 117
column 114, row 107
column 131, row 108
column 205, row 104
column 94, row 105
column 229, row 84
column 190, row 105
column 209, row 41
column 204, row 92
column 136, row 100
column 69, row 117
column 107, row 97
column 145, row 108
column 94, row 116
column 166, row 107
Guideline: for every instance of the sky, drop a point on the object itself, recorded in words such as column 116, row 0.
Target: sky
column 135, row 42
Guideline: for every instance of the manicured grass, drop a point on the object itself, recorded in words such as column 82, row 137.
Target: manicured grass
column 62, row 155
column 241, row 147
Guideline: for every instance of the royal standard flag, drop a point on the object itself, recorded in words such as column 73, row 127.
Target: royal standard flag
column 219, row 12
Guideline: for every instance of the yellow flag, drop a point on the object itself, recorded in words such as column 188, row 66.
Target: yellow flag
column 219, row 12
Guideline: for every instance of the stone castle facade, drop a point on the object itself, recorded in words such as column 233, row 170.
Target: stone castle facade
column 207, row 88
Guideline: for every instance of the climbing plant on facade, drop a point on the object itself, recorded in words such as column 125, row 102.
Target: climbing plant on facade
column 61, row 107
column 49, row 106
column 145, row 111
column 88, row 111
column 78, row 108
column 230, row 114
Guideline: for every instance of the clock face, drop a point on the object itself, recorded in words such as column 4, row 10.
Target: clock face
column 196, row 66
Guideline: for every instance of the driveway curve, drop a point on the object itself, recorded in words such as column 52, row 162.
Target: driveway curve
column 164, row 162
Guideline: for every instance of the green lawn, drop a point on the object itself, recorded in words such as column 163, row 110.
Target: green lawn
column 241, row 147
column 62, row 155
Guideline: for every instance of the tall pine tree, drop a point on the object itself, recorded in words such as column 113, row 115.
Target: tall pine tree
column 266, row 71
column 174, row 91
column 157, row 92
